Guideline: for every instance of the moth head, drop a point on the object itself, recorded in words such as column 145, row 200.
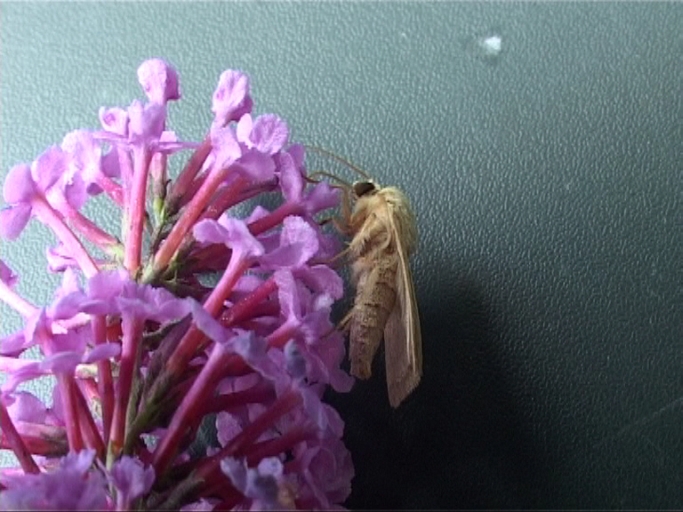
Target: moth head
column 364, row 188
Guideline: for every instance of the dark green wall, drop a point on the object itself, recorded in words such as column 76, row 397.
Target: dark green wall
column 547, row 182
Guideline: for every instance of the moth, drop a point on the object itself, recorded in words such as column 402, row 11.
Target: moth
column 383, row 231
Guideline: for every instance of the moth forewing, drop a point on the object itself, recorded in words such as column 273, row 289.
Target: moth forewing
column 383, row 235
column 403, row 336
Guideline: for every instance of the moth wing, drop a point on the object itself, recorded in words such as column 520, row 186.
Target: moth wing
column 402, row 334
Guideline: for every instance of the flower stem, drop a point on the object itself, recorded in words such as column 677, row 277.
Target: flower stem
column 227, row 197
column 67, row 389
column 274, row 447
column 240, row 311
column 132, row 332
column 187, row 219
column 126, row 170
column 87, row 425
column 280, row 336
column 45, row 440
column 9, row 432
column 274, row 218
column 136, row 210
column 105, row 382
column 285, row 403
column 260, row 393
column 53, row 219
column 192, row 404
column 213, row 304
column 188, row 174
column 92, row 231
column 111, row 188
column 14, row 300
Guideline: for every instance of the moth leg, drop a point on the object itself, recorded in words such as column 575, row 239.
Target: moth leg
column 341, row 223
column 334, row 258
column 344, row 323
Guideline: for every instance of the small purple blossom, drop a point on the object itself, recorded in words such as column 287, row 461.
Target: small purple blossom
column 159, row 81
column 131, row 478
column 72, row 486
column 268, row 134
column 6, row 275
column 231, row 99
column 142, row 351
column 263, row 485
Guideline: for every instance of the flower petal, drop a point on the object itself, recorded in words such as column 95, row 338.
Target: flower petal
column 13, row 220
column 159, row 80
column 131, row 478
column 231, row 98
column 19, row 185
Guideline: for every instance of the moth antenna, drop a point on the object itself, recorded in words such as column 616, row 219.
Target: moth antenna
column 343, row 183
column 338, row 158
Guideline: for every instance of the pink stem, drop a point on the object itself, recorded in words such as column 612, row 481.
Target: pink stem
column 188, row 412
column 14, row 300
column 67, row 388
column 136, row 210
column 274, row 218
column 251, row 433
column 15, row 441
column 241, row 309
column 111, row 188
column 132, row 332
column 126, row 176
column 91, row 231
column 273, row 447
column 213, row 305
column 280, row 336
column 105, row 382
column 158, row 170
column 87, row 425
column 56, row 222
column 181, row 185
column 45, row 440
column 257, row 394
column 227, row 197
column 187, row 219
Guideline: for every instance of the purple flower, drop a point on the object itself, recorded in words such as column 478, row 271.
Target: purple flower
column 298, row 243
column 7, row 276
column 139, row 126
column 263, row 485
column 142, row 344
column 27, row 407
column 268, row 134
column 327, row 471
column 226, row 149
column 114, row 120
column 85, row 166
column 131, row 478
column 234, row 233
column 63, row 352
column 311, row 326
column 72, row 486
column 146, row 123
column 231, row 98
column 115, row 293
column 200, row 506
column 26, row 185
column 159, row 81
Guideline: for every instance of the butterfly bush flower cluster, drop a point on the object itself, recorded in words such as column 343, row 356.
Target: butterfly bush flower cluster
column 146, row 355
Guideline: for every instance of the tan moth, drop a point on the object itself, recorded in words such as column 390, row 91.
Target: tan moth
column 383, row 234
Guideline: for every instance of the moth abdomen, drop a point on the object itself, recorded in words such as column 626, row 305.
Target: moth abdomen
column 375, row 300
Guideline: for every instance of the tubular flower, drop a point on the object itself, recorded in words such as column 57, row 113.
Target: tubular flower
column 169, row 392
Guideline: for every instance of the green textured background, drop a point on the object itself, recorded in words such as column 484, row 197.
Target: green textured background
column 547, row 183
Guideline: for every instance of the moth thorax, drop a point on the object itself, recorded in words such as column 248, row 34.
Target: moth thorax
column 364, row 188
